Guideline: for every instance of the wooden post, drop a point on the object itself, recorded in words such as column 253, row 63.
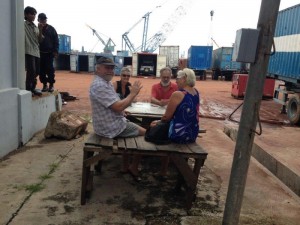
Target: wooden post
column 249, row 117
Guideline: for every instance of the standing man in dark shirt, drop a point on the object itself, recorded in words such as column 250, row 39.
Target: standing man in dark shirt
column 48, row 50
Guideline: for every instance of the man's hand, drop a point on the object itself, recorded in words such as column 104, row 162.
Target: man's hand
column 40, row 26
column 135, row 88
column 164, row 102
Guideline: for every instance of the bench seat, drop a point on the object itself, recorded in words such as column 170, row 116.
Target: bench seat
column 98, row 148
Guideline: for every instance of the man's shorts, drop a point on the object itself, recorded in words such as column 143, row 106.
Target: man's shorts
column 131, row 130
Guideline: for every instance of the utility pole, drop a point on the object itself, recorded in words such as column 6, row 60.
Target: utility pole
column 249, row 117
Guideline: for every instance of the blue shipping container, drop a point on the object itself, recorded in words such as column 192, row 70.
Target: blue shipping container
column 222, row 59
column 64, row 43
column 123, row 53
column 119, row 61
column 285, row 63
column 199, row 57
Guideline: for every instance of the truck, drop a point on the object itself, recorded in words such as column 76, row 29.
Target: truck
column 199, row 59
column 222, row 64
column 147, row 64
column 172, row 53
column 284, row 64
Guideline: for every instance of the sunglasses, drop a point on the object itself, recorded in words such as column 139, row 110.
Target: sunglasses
column 125, row 75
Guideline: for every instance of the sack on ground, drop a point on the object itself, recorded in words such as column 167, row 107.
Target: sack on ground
column 158, row 134
column 65, row 125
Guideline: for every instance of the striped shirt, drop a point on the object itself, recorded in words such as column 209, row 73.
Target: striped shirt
column 106, row 122
column 31, row 39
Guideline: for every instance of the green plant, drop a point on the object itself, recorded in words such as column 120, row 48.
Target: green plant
column 34, row 187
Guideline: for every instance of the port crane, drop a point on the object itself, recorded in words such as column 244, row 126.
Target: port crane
column 109, row 46
column 125, row 37
column 157, row 39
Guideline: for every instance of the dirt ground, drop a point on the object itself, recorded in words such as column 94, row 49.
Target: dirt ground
column 40, row 184
column 216, row 99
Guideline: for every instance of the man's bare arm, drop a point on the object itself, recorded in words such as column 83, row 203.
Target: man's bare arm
column 121, row 105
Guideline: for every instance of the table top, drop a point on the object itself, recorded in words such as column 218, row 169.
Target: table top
column 146, row 109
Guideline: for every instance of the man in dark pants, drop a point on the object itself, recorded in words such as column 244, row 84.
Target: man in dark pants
column 33, row 36
column 48, row 50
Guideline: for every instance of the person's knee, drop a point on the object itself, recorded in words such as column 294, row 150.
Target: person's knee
column 142, row 131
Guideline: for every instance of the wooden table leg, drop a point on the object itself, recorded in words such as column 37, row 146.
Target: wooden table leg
column 84, row 178
column 191, row 195
column 188, row 175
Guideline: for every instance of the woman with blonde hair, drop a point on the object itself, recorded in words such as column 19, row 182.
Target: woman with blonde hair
column 183, row 109
column 182, row 112
column 122, row 86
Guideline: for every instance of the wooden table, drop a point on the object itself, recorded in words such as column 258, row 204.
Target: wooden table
column 98, row 148
column 146, row 112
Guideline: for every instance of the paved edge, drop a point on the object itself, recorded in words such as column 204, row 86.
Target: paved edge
column 270, row 162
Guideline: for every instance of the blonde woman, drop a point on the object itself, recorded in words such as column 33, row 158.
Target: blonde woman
column 183, row 109
column 182, row 112
column 122, row 86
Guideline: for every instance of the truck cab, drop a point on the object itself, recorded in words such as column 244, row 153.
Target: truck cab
column 147, row 68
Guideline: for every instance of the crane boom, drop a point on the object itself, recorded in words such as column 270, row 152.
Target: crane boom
column 125, row 38
column 108, row 46
column 157, row 39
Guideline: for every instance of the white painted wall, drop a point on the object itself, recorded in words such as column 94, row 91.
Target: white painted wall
column 21, row 116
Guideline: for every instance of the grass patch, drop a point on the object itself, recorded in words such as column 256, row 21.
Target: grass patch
column 53, row 167
column 45, row 177
column 34, row 187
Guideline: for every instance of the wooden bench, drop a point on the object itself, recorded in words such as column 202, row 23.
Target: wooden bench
column 98, row 148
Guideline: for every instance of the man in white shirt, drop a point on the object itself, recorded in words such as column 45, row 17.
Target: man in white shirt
column 108, row 110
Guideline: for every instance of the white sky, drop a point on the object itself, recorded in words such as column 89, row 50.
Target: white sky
column 112, row 18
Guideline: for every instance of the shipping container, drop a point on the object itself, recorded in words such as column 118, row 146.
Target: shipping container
column 199, row 59
column 284, row 64
column 122, row 61
column 64, row 43
column 62, row 62
column 123, row 53
column 172, row 53
column 222, row 64
column 82, row 62
column 147, row 64
column 222, row 59
column 182, row 63
column 73, row 63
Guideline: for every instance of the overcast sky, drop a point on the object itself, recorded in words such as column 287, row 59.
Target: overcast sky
column 114, row 17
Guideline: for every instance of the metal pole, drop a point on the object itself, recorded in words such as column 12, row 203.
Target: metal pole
column 249, row 117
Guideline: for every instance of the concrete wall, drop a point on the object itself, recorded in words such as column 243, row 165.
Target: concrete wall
column 9, row 132
column 34, row 113
column 21, row 116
